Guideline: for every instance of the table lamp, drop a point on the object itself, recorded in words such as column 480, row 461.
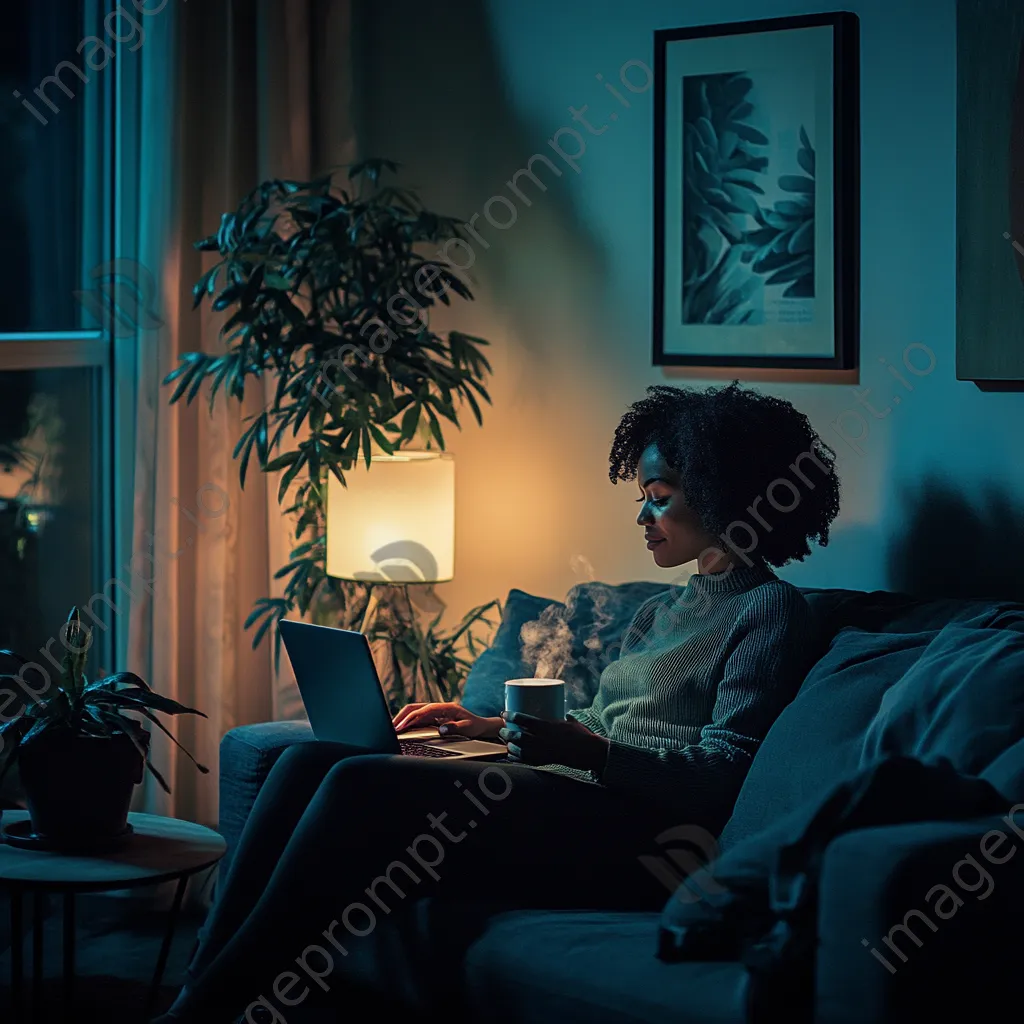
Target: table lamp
column 394, row 522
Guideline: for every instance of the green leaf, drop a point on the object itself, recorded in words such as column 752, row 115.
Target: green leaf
column 205, row 286
column 189, row 375
column 410, row 422
column 371, row 168
column 468, row 395
column 228, row 297
column 163, row 728
column 261, row 439
column 289, row 475
column 384, row 442
column 120, row 681
column 435, row 427
column 138, row 699
column 351, row 452
column 367, row 449
column 282, row 461
column 796, row 183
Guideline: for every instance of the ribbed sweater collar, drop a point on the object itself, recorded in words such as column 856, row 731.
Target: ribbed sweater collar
column 742, row 577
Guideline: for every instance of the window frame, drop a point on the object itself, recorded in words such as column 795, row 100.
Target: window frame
column 91, row 347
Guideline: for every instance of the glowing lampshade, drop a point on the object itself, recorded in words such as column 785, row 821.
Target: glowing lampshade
column 394, row 522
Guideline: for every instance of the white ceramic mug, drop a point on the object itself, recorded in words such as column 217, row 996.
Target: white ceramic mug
column 541, row 698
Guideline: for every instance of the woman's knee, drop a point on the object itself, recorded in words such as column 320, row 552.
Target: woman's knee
column 307, row 760
column 361, row 772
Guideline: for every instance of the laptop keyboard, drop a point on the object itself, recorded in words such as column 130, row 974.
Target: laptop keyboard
column 414, row 749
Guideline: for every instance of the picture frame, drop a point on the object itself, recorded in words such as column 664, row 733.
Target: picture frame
column 989, row 194
column 757, row 193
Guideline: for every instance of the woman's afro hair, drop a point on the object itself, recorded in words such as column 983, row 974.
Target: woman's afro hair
column 750, row 465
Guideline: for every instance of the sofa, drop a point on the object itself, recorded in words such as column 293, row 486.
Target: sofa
column 892, row 675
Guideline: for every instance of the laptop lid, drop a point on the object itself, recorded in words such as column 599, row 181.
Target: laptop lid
column 339, row 685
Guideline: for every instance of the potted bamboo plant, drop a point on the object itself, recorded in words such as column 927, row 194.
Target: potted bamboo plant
column 79, row 748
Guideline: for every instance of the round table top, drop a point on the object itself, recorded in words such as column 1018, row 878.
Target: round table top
column 160, row 849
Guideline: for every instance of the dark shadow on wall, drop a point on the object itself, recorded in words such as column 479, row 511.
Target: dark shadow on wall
column 429, row 93
column 960, row 545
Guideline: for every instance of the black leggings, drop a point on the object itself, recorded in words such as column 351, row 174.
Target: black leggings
column 340, row 840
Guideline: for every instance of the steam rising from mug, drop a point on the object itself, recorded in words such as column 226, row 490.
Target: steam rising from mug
column 548, row 641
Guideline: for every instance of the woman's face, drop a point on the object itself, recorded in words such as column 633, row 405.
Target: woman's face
column 672, row 529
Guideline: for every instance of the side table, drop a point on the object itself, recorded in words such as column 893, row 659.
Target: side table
column 159, row 850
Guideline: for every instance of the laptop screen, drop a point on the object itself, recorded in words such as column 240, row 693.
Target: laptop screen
column 339, row 685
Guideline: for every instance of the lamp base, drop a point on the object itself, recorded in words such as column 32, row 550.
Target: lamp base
column 383, row 656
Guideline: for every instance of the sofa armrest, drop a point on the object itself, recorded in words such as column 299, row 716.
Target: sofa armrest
column 246, row 756
column 921, row 919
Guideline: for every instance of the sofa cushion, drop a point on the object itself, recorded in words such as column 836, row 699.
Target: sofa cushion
column 817, row 740
column 880, row 611
column 552, row 967
column 962, row 700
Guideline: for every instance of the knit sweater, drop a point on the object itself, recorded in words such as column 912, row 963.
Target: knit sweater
column 701, row 677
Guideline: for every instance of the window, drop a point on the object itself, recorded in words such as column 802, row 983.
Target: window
column 56, row 353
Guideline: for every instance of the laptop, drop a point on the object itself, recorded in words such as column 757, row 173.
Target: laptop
column 345, row 702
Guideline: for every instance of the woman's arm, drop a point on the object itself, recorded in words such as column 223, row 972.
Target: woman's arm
column 451, row 720
column 761, row 676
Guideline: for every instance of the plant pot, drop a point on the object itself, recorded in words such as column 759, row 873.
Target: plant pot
column 79, row 788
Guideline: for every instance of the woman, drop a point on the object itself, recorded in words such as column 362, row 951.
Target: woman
column 733, row 479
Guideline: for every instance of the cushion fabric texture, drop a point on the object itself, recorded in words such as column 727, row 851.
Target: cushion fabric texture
column 962, row 700
column 247, row 754
column 817, row 740
column 554, row 967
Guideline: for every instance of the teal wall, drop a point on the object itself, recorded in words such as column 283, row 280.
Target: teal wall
column 931, row 498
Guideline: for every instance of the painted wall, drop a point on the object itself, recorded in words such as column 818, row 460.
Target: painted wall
column 464, row 93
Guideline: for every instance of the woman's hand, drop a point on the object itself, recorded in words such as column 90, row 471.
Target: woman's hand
column 537, row 741
column 451, row 720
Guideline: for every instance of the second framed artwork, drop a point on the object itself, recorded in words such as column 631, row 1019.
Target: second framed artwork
column 757, row 194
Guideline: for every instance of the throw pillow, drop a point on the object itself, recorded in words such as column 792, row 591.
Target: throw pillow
column 484, row 689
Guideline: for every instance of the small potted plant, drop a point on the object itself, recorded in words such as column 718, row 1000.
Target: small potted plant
column 79, row 750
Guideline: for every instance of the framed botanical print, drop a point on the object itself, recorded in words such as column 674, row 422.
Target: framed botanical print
column 756, row 184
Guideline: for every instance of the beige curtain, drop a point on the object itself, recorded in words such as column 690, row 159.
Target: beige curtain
column 232, row 92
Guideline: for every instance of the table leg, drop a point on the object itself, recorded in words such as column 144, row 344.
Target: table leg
column 38, row 930
column 69, row 953
column 165, row 949
column 17, row 966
